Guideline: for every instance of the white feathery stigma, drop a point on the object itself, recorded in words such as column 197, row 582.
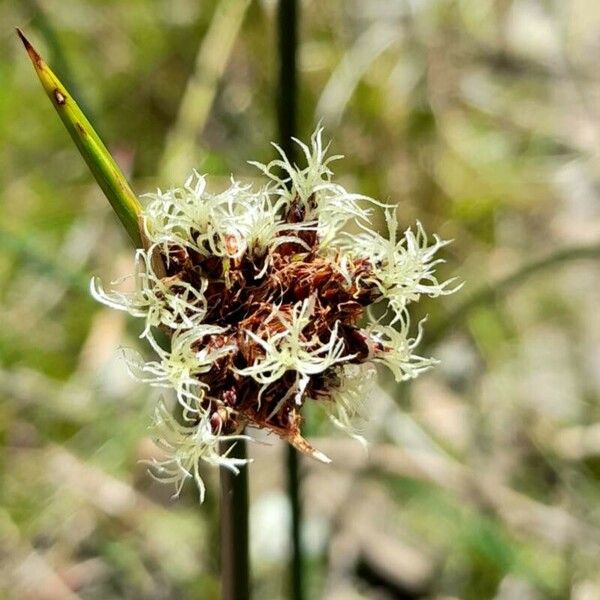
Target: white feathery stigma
column 404, row 266
column 179, row 369
column 168, row 301
column 290, row 350
column 398, row 349
column 349, row 398
column 186, row 447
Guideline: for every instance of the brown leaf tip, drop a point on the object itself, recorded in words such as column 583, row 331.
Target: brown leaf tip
column 23, row 38
column 35, row 57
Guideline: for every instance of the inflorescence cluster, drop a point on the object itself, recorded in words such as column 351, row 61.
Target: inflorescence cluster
column 263, row 294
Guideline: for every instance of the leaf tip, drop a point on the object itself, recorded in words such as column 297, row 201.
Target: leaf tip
column 35, row 57
column 22, row 37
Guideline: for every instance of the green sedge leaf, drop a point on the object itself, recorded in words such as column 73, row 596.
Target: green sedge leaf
column 107, row 173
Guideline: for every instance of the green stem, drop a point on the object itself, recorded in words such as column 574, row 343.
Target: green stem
column 287, row 21
column 296, row 558
column 235, row 569
column 489, row 292
column 287, row 27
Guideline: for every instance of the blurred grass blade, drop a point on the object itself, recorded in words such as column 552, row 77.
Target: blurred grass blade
column 102, row 165
column 181, row 151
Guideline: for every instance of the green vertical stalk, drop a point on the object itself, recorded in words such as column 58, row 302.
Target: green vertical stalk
column 296, row 560
column 235, row 568
column 181, row 149
column 287, row 105
column 287, row 117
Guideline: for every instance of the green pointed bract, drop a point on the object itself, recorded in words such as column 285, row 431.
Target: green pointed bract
column 102, row 165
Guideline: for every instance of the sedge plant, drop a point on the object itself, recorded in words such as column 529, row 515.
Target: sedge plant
column 266, row 298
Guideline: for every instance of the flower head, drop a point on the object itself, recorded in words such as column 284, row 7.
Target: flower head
column 264, row 296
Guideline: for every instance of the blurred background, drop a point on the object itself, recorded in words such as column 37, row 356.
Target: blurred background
column 481, row 118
